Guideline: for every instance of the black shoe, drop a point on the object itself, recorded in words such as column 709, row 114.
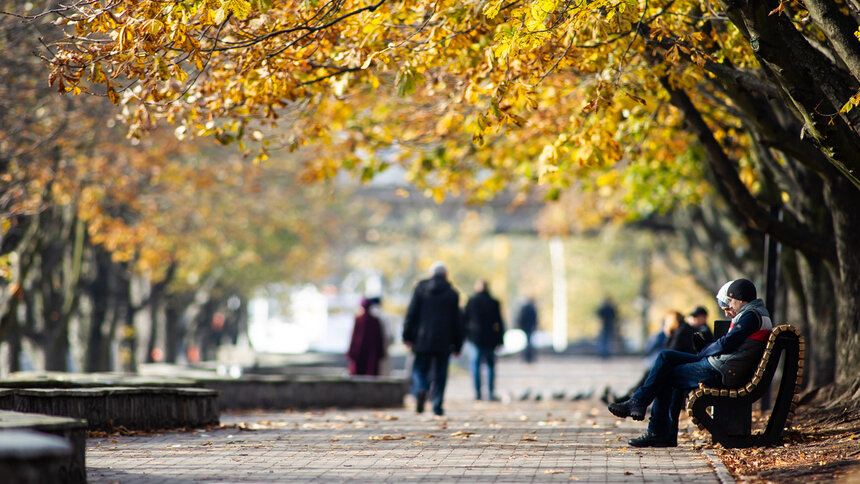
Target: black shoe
column 629, row 408
column 649, row 439
column 438, row 412
column 494, row 398
column 421, row 399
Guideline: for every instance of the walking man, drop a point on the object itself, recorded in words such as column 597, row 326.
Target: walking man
column 485, row 329
column 433, row 330
column 607, row 314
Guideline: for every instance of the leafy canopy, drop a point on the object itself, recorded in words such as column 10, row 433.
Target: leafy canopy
column 451, row 83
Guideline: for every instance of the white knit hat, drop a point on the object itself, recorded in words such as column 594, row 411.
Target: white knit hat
column 722, row 295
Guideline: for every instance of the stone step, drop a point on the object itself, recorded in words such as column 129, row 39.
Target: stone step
column 302, row 392
column 42, row 448
column 109, row 408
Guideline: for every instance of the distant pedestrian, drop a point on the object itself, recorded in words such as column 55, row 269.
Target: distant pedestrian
column 527, row 321
column 367, row 345
column 608, row 315
column 433, row 329
column 485, row 329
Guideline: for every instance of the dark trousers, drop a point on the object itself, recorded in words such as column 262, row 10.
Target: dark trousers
column 529, row 351
column 674, row 373
column 486, row 354
column 429, row 375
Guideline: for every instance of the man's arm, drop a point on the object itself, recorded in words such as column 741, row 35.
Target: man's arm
column 410, row 323
column 748, row 324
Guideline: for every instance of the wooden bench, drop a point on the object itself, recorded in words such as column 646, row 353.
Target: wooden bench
column 730, row 418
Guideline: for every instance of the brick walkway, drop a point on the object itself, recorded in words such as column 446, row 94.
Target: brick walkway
column 544, row 440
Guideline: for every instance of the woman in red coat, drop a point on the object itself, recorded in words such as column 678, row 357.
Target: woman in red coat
column 367, row 346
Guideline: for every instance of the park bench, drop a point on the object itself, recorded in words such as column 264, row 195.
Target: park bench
column 727, row 413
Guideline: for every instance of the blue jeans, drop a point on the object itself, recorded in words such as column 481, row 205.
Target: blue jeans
column 488, row 355
column 674, row 373
column 429, row 375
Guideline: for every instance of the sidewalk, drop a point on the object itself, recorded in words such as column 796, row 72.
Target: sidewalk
column 515, row 440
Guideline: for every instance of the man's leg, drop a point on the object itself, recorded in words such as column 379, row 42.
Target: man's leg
column 490, row 358
column 685, row 377
column 440, row 378
column 529, row 351
column 420, row 380
column 657, row 380
column 660, row 375
column 663, row 426
column 476, row 371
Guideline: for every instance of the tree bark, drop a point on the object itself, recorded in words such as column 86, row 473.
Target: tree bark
column 843, row 202
column 810, row 83
column 821, row 321
column 100, row 294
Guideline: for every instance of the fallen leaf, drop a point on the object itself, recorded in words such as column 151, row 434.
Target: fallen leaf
column 388, row 437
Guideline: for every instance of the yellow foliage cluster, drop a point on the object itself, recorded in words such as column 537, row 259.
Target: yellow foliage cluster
column 538, row 91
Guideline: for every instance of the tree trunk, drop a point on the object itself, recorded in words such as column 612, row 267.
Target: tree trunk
column 12, row 335
column 98, row 348
column 843, row 200
column 820, row 324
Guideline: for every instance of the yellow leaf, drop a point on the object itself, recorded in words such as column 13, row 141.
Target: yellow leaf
column 240, row 8
column 492, row 8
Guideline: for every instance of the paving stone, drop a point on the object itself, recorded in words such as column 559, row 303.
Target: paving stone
column 510, row 441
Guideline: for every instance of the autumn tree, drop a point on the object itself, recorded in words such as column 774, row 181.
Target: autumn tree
column 104, row 237
column 476, row 96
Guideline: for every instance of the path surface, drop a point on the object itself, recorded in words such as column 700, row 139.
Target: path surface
column 514, row 440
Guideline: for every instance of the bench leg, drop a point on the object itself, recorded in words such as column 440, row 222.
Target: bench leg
column 734, row 417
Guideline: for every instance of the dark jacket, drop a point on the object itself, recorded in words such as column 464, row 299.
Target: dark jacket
column 736, row 355
column 367, row 345
column 433, row 320
column 682, row 339
column 483, row 318
column 527, row 318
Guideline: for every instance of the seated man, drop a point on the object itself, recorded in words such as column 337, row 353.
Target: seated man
column 729, row 361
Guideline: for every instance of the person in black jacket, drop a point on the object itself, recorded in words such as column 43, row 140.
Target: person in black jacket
column 703, row 335
column 527, row 320
column 679, row 332
column 485, row 329
column 433, row 330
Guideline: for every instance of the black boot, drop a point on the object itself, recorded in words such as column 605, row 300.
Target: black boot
column 650, row 439
column 628, row 408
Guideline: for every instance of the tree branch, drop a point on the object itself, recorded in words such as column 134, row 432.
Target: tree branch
column 839, row 30
column 739, row 196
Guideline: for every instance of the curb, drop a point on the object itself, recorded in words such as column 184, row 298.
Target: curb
column 720, row 469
